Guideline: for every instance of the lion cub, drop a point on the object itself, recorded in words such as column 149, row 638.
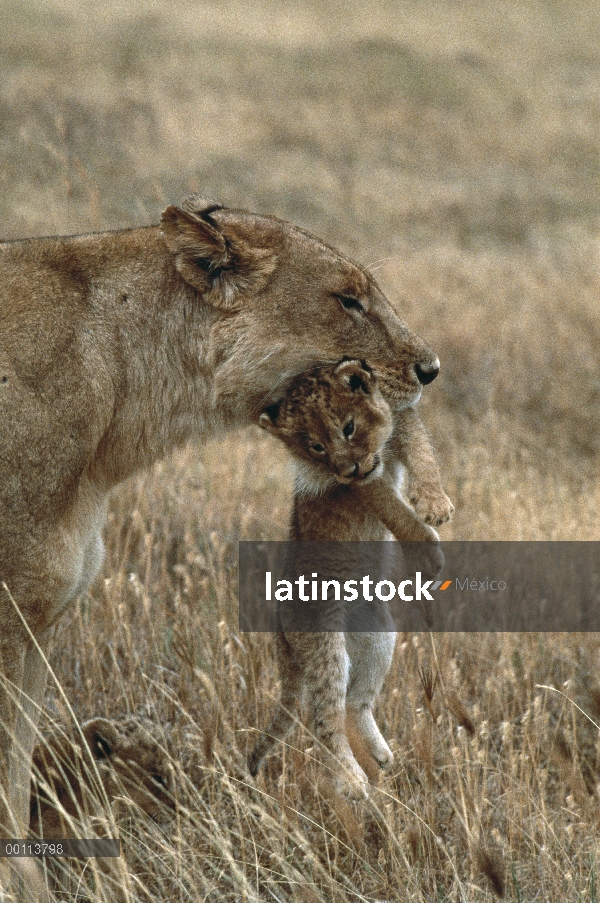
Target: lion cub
column 349, row 454
column 129, row 760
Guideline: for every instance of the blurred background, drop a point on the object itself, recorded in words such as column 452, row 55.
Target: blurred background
column 450, row 147
column 453, row 149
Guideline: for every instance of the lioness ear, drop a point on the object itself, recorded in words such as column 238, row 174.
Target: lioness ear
column 357, row 375
column 101, row 737
column 216, row 255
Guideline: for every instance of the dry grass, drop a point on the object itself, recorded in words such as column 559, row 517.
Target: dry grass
column 452, row 147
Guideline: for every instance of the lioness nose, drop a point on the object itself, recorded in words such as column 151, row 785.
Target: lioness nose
column 427, row 374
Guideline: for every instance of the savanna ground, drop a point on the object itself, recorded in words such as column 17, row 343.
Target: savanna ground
column 453, row 148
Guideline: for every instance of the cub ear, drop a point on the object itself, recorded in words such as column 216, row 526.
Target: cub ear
column 214, row 250
column 101, row 737
column 268, row 418
column 357, row 375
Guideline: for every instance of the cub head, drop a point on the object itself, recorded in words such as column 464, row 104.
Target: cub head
column 335, row 419
column 129, row 759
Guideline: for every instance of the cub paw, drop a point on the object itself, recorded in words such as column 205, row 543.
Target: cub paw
column 366, row 740
column 432, row 506
column 352, row 788
column 426, row 557
column 351, row 782
column 383, row 756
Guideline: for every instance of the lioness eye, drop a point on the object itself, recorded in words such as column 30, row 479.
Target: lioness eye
column 350, row 303
column 349, row 429
column 317, row 448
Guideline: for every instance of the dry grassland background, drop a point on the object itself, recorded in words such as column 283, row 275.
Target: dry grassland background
column 453, row 148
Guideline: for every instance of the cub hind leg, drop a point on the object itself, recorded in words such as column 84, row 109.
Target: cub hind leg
column 317, row 665
column 370, row 657
column 281, row 723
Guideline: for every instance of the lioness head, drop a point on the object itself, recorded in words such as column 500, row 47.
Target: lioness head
column 335, row 418
column 288, row 302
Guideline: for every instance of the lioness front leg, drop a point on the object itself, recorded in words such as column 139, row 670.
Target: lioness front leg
column 410, row 445
column 21, row 697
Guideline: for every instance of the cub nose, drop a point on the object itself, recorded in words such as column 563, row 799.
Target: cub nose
column 358, row 473
column 427, row 373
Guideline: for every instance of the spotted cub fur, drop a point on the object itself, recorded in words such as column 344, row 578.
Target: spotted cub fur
column 131, row 763
column 350, row 455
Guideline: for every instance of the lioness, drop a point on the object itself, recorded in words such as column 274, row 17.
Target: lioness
column 117, row 347
column 339, row 427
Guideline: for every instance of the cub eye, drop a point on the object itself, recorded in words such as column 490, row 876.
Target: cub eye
column 318, row 449
column 349, row 429
column 350, row 303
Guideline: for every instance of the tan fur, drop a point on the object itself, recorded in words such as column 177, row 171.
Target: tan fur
column 128, row 758
column 117, row 347
column 339, row 427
